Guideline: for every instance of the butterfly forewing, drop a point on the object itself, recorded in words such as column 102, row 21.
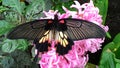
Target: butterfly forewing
column 31, row 30
column 81, row 29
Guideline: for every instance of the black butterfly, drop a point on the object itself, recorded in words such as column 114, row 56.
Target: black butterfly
column 63, row 31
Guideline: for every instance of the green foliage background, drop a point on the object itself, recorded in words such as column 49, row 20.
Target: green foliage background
column 17, row 53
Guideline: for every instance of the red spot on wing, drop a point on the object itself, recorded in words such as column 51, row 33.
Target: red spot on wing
column 62, row 21
column 50, row 21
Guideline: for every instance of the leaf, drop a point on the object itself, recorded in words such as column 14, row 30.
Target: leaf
column 118, row 65
column 7, row 62
column 108, row 35
column 13, row 17
column 2, row 8
column 4, row 27
column 110, row 46
column 14, row 4
column 116, row 40
column 117, row 54
column 58, row 6
column 48, row 5
column 59, row 1
column 34, row 10
column 89, row 65
column 21, row 58
column 15, row 12
column 114, row 45
column 11, row 45
column 23, row 44
column 103, row 7
column 107, row 59
column 112, row 52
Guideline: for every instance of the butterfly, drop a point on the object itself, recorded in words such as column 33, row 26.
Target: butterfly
column 62, row 31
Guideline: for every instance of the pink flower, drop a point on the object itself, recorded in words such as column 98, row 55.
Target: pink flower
column 93, row 44
column 71, row 60
column 87, row 12
column 50, row 14
column 77, row 57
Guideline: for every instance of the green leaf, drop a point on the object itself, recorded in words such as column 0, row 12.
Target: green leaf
column 116, row 40
column 59, row 1
column 34, row 10
column 107, row 59
column 118, row 65
column 13, row 17
column 14, row 4
column 108, row 35
column 15, row 12
column 103, row 7
column 11, row 45
column 21, row 58
column 113, row 59
column 7, row 62
column 48, row 5
column 60, row 4
column 114, row 45
column 110, row 46
column 112, row 52
column 23, row 44
column 4, row 27
column 89, row 65
column 117, row 54
column 2, row 8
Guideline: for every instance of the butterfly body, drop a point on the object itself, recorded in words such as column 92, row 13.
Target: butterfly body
column 55, row 31
column 62, row 31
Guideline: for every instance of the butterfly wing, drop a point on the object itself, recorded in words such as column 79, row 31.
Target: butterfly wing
column 80, row 29
column 31, row 30
column 76, row 30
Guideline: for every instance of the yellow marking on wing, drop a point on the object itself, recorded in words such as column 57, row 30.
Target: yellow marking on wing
column 61, row 34
column 65, row 35
column 66, row 42
column 46, row 32
column 62, row 39
column 40, row 41
column 45, row 37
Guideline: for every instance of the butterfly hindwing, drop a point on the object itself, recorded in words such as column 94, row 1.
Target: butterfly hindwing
column 43, row 43
column 64, row 44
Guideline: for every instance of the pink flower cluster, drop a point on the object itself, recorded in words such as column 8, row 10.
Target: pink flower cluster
column 77, row 57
